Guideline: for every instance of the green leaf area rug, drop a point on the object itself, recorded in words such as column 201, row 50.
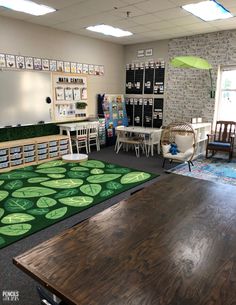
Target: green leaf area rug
column 35, row 197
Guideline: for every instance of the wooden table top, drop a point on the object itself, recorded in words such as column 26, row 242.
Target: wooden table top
column 173, row 243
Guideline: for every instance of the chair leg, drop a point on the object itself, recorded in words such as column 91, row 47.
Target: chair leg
column 189, row 166
column 137, row 150
column 206, row 153
column 77, row 146
column 164, row 161
column 191, row 162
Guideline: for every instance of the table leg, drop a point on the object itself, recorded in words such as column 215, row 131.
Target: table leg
column 70, row 144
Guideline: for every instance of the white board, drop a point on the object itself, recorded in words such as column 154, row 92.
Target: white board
column 23, row 97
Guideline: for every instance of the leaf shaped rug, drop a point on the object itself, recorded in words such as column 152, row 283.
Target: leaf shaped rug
column 35, row 197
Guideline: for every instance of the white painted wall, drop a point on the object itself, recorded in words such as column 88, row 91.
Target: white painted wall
column 19, row 37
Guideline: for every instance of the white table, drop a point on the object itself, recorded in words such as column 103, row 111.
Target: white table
column 69, row 127
column 145, row 131
column 75, row 157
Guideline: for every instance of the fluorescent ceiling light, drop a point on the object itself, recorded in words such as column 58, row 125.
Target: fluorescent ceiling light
column 109, row 30
column 208, row 10
column 26, row 6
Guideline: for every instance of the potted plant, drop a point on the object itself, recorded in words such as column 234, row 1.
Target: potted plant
column 81, row 105
column 80, row 109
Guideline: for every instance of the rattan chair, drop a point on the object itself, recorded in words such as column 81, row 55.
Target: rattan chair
column 183, row 135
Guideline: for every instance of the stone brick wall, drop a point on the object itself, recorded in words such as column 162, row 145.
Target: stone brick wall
column 188, row 90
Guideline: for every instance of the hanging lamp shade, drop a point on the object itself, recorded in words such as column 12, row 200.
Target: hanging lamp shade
column 190, row 62
column 193, row 62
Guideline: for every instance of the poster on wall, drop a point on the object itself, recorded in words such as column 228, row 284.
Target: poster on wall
column 2, row 61
column 37, row 63
column 59, row 93
column 67, row 66
column 53, row 65
column 84, row 94
column 29, row 63
column 10, row 60
column 20, row 62
column 45, row 64
column 60, row 66
column 76, row 94
column 85, row 68
column 68, row 94
column 73, row 67
column 91, row 69
column 79, row 68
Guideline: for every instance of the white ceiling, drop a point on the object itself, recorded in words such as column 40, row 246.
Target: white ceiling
column 149, row 20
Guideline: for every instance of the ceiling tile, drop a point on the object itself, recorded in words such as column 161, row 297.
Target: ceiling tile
column 59, row 4
column 172, row 13
column 138, row 29
column 123, row 23
column 160, row 25
column 128, row 2
column 104, row 5
column 122, row 12
column 154, row 5
column 145, row 19
column 190, row 19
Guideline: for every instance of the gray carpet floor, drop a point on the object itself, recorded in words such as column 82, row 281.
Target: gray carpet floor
column 11, row 278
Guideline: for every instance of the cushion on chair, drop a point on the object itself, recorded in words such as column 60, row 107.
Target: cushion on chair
column 219, row 144
column 165, row 149
column 186, row 156
column 184, row 142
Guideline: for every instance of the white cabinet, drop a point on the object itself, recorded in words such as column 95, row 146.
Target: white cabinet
column 201, row 131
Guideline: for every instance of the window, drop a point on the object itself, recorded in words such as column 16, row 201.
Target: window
column 227, row 95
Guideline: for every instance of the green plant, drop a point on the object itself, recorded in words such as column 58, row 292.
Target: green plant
column 81, row 105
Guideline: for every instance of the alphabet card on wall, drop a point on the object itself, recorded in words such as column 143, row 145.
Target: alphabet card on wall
column 2, row 61
column 101, row 70
column 91, row 69
column 29, row 63
column 53, row 65
column 45, row 64
column 37, row 64
column 79, row 68
column 67, row 66
column 85, row 68
column 60, row 66
column 10, row 60
column 73, row 67
column 20, row 62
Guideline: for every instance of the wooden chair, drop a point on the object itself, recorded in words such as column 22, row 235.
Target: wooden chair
column 222, row 139
column 183, row 135
column 93, row 135
column 81, row 138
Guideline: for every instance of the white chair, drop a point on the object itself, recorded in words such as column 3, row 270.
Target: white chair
column 153, row 140
column 81, row 138
column 183, row 135
column 120, row 134
column 93, row 135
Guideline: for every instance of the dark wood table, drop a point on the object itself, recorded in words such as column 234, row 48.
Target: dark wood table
column 173, row 243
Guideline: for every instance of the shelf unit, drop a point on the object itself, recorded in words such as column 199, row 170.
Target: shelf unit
column 20, row 153
column 201, row 131
column 68, row 89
